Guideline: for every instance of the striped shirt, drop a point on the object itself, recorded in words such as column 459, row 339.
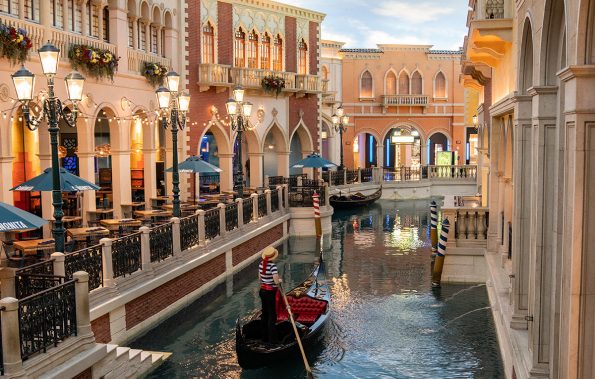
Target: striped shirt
column 267, row 277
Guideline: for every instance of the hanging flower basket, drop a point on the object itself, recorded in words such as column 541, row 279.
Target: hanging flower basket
column 154, row 73
column 272, row 84
column 14, row 44
column 97, row 63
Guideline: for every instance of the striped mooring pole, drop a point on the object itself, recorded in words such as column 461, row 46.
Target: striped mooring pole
column 316, row 203
column 439, row 263
column 433, row 227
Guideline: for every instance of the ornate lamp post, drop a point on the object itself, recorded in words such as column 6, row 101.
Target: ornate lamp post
column 239, row 112
column 340, row 122
column 24, row 83
column 177, row 103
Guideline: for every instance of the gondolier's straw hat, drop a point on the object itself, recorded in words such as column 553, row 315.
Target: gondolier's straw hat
column 270, row 253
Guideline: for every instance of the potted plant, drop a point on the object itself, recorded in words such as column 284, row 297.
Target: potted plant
column 154, row 73
column 95, row 62
column 14, row 44
column 272, row 84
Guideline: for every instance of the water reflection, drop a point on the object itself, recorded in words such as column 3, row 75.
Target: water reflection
column 387, row 321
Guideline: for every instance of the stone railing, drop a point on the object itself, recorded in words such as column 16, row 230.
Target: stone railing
column 250, row 78
column 455, row 172
column 470, row 225
column 307, row 83
column 34, row 30
column 405, row 100
column 137, row 59
column 210, row 74
column 401, row 174
column 63, row 40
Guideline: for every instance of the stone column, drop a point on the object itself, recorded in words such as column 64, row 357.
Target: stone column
column 81, row 294
column 145, row 249
column 280, row 197
column 379, row 155
column 7, row 276
column 222, row 226
column 226, row 176
column 256, row 167
column 175, row 231
column 121, row 184
column 201, row 227
column 100, row 24
column 87, row 172
column 159, row 52
column 6, row 196
column 283, row 164
column 254, row 206
column 171, row 45
column 147, row 25
column 118, row 26
column 267, row 193
column 107, row 263
column 11, row 340
column 45, row 19
column 240, row 203
column 58, row 264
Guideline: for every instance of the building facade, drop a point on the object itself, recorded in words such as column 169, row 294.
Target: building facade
column 240, row 42
column 533, row 65
column 405, row 104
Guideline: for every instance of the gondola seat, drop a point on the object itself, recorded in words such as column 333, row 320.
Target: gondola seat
column 305, row 309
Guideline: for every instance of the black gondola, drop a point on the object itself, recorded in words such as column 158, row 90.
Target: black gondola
column 310, row 305
column 355, row 200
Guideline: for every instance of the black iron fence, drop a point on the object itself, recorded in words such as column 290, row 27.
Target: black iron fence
column 274, row 200
column 231, row 216
column 248, row 210
column 292, row 181
column 89, row 260
column 337, row 178
column 262, row 205
column 352, row 176
column 326, row 176
column 35, row 278
column 277, row 181
column 188, row 232
column 126, row 255
column 161, row 242
column 302, row 196
column 401, row 174
column 212, row 223
column 366, row 175
column 47, row 318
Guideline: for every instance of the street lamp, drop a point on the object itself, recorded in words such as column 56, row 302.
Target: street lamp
column 177, row 103
column 340, row 122
column 239, row 112
column 53, row 111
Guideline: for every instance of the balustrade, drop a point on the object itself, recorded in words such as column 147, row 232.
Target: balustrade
column 274, row 200
column 35, row 278
column 307, row 83
column 406, row 100
column 252, row 77
column 212, row 223
column 302, row 196
column 88, row 260
column 189, row 232
column 231, row 216
column 126, row 255
column 34, row 30
column 213, row 74
column 262, row 205
column 137, row 59
column 453, row 172
column 471, row 224
column 161, row 242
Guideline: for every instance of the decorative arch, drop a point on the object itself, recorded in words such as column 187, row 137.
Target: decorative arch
column 445, row 132
column 417, row 82
column 408, row 125
column 526, row 57
column 168, row 19
column 304, row 135
column 279, row 136
column 390, row 82
column 553, row 45
column 586, row 33
column 145, row 10
column 220, row 134
column 404, row 83
column 366, row 84
column 440, row 87
column 324, row 70
column 132, row 8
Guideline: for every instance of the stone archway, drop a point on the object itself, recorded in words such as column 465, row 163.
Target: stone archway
column 402, row 147
column 437, row 142
column 275, row 152
column 300, row 146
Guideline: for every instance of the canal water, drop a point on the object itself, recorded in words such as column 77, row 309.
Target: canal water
column 387, row 321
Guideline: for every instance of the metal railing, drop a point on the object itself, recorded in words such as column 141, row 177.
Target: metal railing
column 231, row 216
column 366, row 175
column 161, row 242
column 46, row 318
column 126, row 255
column 337, row 178
column 302, row 196
column 35, row 278
column 352, row 176
column 188, row 232
column 262, row 205
column 248, row 210
column 89, row 260
column 401, row 174
column 274, row 200
column 212, row 223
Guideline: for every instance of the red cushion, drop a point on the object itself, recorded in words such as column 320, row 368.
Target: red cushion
column 305, row 308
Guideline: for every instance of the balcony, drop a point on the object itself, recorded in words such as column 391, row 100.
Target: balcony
column 213, row 75
column 490, row 31
column 137, row 59
column 307, row 84
column 405, row 100
column 328, row 97
column 250, row 78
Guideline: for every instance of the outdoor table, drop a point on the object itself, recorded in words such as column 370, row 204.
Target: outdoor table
column 67, row 221
column 113, row 224
column 30, row 247
column 159, row 200
column 183, row 206
column 99, row 214
column 152, row 213
column 134, row 206
column 84, row 234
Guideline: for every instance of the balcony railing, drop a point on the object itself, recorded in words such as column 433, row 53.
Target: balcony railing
column 307, row 83
column 405, row 100
column 35, row 31
column 63, row 40
column 251, row 77
column 216, row 75
column 137, row 59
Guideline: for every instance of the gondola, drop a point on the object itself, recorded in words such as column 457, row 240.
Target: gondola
column 310, row 305
column 355, row 200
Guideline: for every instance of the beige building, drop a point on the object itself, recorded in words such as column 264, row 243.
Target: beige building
column 533, row 65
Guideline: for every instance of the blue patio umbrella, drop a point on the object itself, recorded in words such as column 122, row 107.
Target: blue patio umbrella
column 314, row 161
column 44, row 182
column 15, row 219
column 194, row 165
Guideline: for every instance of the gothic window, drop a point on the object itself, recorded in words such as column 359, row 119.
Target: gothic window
column 403, row 83
column 391, row 83
column 278, row 53
column 324, row 73
column 303, row 58
column 265, row 52
column 416, row 84
column 240, row 49
column 208, row 43
column 440, row 86
column 366, row 85
column 252, row 50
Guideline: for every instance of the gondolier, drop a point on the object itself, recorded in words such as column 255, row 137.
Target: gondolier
column 269, row 280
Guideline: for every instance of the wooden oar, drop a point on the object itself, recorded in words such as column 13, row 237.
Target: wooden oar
column 297, row 335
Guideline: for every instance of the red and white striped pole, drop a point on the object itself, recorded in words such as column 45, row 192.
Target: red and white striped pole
column 316, row 203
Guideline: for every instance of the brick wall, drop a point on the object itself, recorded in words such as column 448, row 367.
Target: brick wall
column 101, row 329
column 161, row 297
column 256, row 244
column 309, row 104
column 290, row 44
column 313, row 47
column 225, row 32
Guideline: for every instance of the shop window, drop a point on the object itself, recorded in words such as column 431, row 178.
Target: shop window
column 403, row 83
column 265, row 52
column 440, row 86
column 278, row 53
column 302, row 58
column 208, row 44
column 366, row 86
column 240, row 49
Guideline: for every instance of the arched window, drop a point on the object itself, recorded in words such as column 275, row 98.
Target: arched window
column 154, row 32
column 142, row 36
column 105, row 26
column 403, row 83
column 163, row 42
column 208, row 43
column 240, row 49
column 440, row 86
column 10, row 7
column 391, row 83
column 92, row 12
column 55, row 8
column 278, row 53
column 130, row 32
column 366, row 85
column 31, row 8
column 324, row 73
column 303, row 58
column 265, row 52
column 252, row 50
column 75, row 16
column 416, row 84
